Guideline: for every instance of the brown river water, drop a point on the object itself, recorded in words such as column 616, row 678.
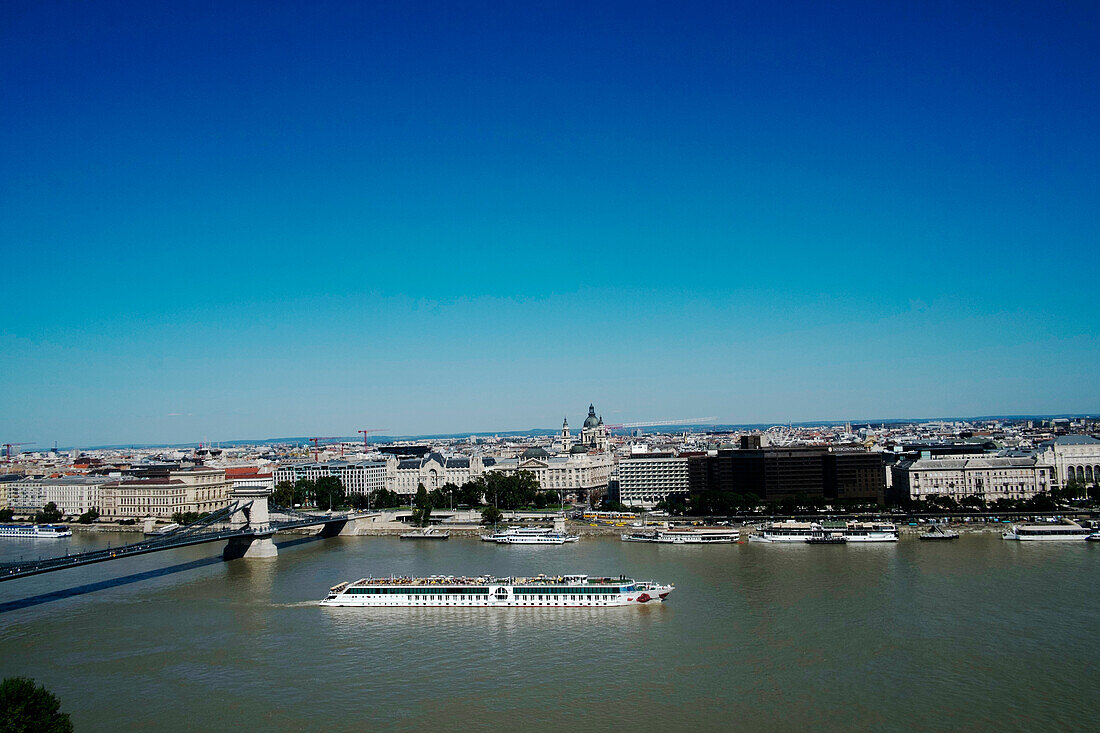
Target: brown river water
column 978, row 633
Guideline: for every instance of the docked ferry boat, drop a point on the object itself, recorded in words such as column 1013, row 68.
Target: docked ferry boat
column 1070, row 531
column 795, row 531
column 35, row 530
column 529, row 536
column 541, row 591
column 684, row 537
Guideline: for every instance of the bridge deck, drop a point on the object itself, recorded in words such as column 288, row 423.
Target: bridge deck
column 205, row 530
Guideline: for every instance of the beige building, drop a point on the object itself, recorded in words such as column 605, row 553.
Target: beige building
column 575, row 474
column 988, row 477
column 72, row 494
column 1073, row 457
column 199, row 489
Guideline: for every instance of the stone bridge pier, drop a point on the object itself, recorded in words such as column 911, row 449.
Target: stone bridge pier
column 257, row 545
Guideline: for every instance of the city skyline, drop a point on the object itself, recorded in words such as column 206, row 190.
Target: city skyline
column 282, row 219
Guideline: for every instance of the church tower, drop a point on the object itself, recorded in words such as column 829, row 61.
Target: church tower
column 566, row 438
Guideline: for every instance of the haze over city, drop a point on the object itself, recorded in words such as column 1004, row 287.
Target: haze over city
column 283, row 219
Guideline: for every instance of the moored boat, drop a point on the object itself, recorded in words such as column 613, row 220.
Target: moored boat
column 486, row 591
column 530, row 536
column 685, row 537
column 1061, row 532
column 35, row 531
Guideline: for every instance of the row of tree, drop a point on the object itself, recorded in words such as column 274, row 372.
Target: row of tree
column 725, row 503
column 502, row 490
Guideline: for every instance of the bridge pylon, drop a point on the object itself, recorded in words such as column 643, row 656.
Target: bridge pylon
column 251, row 512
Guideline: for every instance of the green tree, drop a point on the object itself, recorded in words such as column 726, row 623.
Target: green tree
column 283, row 495
column 491, row 515
column 305, row 491
column 29, row 708
column 423, row 507
column 49, row 514
column 89, row 516
column 6, row 515
column 329, row 492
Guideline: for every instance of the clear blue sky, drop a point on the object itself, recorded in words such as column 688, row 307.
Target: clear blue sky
column 233, row 220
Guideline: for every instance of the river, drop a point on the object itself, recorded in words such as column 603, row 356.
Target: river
column 937, row 636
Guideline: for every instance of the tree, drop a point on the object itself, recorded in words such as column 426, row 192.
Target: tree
column 49, row 514
column 329, row 492
column 973, row 501
column 29, row 708
column 305, row 491
column 491, row 515
column 283, row 495
column 89, row 516
column 6, row 515
column 423, row 504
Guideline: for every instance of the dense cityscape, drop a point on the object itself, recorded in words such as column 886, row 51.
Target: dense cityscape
column 934, row 466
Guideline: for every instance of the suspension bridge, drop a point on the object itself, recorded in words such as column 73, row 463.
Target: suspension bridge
column 247, row 526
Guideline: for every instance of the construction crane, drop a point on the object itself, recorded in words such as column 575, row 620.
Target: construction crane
column 367, row 432
column 9, row 446
column 654, row 423
column 316, row 446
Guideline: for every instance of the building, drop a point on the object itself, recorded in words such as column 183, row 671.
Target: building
column 357, row 477
column 1073, row 457
column 987, row 477
column 249, row 477
column 775, row 473
column 162, row 491
column 433, row 471
column 646, row 479
column 855, row 475
column 73, row 495
column 6, row 480
column 594, row 434
column 577, row 475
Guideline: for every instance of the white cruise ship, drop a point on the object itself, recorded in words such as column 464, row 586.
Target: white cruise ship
column 529, row 536
column 813, row 532
column 35, row 530
column 1047, row 532
column 541, row 591
column 685, row 537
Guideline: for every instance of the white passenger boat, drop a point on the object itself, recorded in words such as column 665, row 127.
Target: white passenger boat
column 685, row 537
column 802, row 532
column 786, row 531
column 1065, row 531
column 46, row 531
column 542, row 591
column 530, row 536
column 870, row 532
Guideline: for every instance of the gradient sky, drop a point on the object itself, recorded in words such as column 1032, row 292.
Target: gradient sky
column 233, row 220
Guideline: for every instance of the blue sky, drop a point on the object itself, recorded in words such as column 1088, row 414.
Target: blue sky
column 234, row 220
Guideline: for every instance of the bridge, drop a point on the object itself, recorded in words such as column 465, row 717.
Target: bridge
column 247, row 526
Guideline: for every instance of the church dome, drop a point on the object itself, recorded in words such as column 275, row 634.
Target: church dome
column 578, row 449
column 591, row 421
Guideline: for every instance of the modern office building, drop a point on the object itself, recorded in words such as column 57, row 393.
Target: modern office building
column 775, row 473
column 357, row 477
column 646, row 479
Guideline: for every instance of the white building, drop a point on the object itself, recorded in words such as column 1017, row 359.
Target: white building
column 357, row 477
column 987, row 477
column 72, row 494
column 645, row 480
column 1073, row 457
column 200, row 489
column 577, row 474
column 404, row 476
